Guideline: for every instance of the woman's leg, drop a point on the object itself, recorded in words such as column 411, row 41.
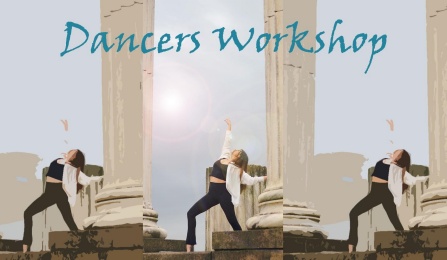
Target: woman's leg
column 41, row 203
column 391, row 211
column 205, row 203
column 64, row 208
column 370, row 201
column 228, row 209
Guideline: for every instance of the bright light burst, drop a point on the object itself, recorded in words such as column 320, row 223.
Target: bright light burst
column 172, row 102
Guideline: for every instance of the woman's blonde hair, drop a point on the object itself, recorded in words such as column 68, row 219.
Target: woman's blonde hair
column 242, row 163
column 78, row 161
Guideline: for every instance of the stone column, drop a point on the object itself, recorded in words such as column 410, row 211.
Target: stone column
column 271, row 200
column 150, row 216
column 126, row 95
column 290, row 77
column 434, row 200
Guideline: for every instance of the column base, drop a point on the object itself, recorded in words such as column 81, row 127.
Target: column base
column 434, row 207
column 299, row 220
column 150, row 228
column 117, row 204
column 270, row 210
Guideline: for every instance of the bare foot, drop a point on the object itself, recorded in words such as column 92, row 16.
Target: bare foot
column 350, row 248
column 189, row 248
column 25, row 248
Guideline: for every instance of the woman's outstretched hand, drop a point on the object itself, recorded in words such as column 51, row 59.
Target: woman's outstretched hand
column 391, row 123
column 97, row 178
column 65, row 123
column 265, row 178
column 228, row 121
column 422, row 178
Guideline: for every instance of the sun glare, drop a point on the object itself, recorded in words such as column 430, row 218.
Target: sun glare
column 172, row 102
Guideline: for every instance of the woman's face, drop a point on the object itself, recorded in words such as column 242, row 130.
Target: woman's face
column 396, row 155
column 235, row 155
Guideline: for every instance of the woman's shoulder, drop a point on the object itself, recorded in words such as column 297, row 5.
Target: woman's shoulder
column 232, row 166
column 59, row 161
column 385, row 161
column 69, row 166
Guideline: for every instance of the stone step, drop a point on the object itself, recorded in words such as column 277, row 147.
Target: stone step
column 159, row 245
column 300, row 244
column 126, row 237
column 411, row 241
column 217, row 255
column 102, row 254
column 275, row 254
column 332, row 256
column 178, row 256
column 431, row 255
column 247, row 240
column 28, row 256
column 11, row 245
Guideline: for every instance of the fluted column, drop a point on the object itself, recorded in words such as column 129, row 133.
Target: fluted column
column 271, row 200
column 434, row 200
column 150, row 216
column 300, row 217
column 127, row 101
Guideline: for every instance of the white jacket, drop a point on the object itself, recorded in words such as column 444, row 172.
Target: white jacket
column 69, row 182
column 395, row 181
column 233, row 179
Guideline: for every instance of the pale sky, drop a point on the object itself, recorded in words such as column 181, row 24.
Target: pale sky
column 39, row 88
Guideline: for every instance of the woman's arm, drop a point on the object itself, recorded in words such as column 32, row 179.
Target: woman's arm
column 85, row 180
column 411, row 180
column 249, row 180
column 226, row 149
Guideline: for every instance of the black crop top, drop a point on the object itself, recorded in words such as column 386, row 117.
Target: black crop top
column 219, row 170
column 56, row 170
column 381, row 170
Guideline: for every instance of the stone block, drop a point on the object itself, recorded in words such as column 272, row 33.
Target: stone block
column 331, row 256
column 429, row 255
column 411, row 241
column 251, row 239
column 125, row 237
column 27, row 256
column 301, row 244
column 159, row 245
column 11, row 245
column 178, row 256
column 248, row 254
column 101, row 254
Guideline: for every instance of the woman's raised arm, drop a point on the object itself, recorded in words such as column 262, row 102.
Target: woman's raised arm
column 226, row 149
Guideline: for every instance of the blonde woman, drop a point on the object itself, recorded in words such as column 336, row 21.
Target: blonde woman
column 227, row 176
column 65, row 178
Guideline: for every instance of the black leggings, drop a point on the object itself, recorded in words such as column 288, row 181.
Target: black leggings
column 54, row 194
column 217, row 194
column 380, row 194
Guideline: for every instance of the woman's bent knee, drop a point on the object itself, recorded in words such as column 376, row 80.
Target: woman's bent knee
column 353, row 214
column 27, row 213
column 190, row 214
